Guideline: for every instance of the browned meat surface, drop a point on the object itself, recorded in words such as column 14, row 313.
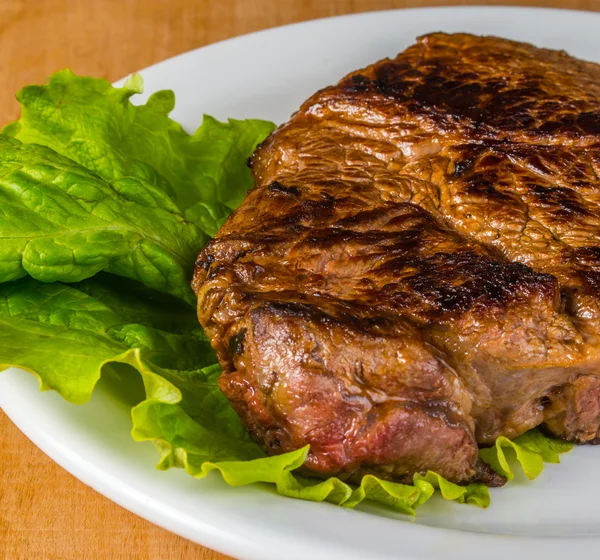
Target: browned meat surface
column 417, row 269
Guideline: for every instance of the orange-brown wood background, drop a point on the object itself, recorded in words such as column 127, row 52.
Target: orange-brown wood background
column 45, row 513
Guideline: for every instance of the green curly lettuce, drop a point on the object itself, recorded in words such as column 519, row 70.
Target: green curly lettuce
column 61, row 222
column 530, row 450
column 474, row 493
column 96, row 125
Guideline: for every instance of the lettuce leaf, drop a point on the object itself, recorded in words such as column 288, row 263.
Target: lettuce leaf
column 67, row 333
column 96, row 125
column 60, row 222
column 474, row 493
column 530, row 450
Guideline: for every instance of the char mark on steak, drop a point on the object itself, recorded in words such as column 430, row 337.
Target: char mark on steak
column 416, row 271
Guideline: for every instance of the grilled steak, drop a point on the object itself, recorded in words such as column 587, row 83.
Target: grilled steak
column 417, row 269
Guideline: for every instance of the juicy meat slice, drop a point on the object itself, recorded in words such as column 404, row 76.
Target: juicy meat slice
column 323, row 378
column 416, row 270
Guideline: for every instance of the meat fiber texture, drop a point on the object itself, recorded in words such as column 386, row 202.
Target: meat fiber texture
column 417, row 269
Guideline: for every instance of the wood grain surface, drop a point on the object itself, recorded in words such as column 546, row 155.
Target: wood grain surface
column 45, row 513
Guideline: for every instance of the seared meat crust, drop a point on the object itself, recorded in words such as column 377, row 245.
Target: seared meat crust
column 416, row 271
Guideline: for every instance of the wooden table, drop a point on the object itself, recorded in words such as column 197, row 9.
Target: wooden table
column 45, row 513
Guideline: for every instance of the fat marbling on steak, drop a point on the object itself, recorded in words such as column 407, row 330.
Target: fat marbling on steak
column 417, row 270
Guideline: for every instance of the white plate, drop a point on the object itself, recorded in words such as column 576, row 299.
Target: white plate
column 268, row 75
